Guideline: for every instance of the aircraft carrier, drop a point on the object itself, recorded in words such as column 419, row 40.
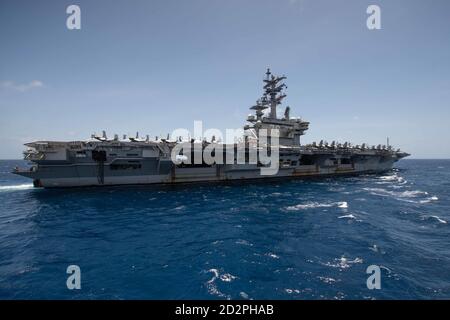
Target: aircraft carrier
column 100, row 161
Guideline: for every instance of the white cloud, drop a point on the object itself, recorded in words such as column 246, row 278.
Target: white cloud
column 21, row 87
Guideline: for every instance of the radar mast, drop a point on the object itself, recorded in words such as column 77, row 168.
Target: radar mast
column 274, row 92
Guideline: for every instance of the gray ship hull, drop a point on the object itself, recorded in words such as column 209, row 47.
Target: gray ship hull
column 153, row 172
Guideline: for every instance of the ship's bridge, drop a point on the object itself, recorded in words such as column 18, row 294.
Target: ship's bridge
column 290, row 129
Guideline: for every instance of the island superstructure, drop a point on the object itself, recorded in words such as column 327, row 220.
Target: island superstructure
column 100, row 161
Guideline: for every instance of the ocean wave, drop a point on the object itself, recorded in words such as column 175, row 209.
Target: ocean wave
column 227, row 277
column 412, row 196
column 439, row 219
column 312, row 205
column 347, row 216
column 392, row 178
column 290, row 291
column 397, row 194
column 211, row 283
column 343, row 262
column 276, row 194
column 427, row 200
column 327, row 280
column 342, row 204
column 272, row 255
column 244, row 242
column 244, row 295
column 16, row 187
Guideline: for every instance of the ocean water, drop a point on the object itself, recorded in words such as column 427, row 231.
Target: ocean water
column 311, row 239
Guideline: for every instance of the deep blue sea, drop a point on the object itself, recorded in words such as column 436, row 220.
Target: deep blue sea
column 311, row 239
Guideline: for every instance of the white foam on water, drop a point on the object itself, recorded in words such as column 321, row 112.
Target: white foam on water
column 439, row 219
column 392, row 178
column 343, row 204
column 327, row 280
column 343, row 263
column 227, row 277
column 430, row 199
column 412, row 194
column 406, row 196
column 389, row 178
column 397, row 194
column 290, row 291
column 244, row 295
column 244, row 242
column 312, row 205
column 273, row 255
column 348, row 216
column 216, row 274
column 16, row 187
column 211, row 283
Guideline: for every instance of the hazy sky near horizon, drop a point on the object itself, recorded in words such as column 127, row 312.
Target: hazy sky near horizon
column 154, row 66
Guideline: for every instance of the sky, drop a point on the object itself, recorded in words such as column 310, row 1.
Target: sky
column 158, row 65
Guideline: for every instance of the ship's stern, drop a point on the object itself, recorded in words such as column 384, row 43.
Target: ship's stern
column 30, row 173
